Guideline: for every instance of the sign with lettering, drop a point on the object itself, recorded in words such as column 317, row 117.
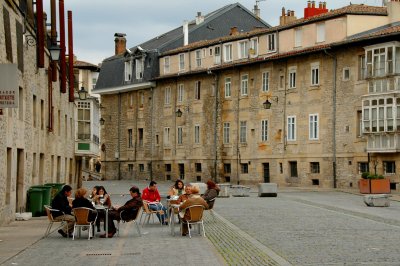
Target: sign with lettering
column 8, row 86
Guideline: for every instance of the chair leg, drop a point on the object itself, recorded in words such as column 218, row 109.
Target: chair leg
column 204, row 232
column 137, row 228
column 73, row 233
column 188, row 225
column 48, row 229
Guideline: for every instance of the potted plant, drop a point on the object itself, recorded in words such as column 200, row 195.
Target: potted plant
column 374, row 184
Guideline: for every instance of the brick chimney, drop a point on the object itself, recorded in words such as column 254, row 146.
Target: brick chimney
column 311, row 10
column 286, row 18
column 234, row 31
column 120, row 43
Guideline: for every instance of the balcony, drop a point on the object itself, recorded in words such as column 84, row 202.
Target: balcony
column 390, row 84
column 383, row 143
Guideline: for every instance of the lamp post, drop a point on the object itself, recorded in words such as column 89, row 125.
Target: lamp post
column 82, row 94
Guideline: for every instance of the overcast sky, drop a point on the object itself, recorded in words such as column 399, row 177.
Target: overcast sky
column 96, row 21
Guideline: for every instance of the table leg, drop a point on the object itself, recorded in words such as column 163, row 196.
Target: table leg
column 106, row 222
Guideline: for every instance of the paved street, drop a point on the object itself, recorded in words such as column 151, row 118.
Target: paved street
column 299, row 227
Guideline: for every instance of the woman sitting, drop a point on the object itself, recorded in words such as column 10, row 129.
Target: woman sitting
column 104, row 199
column 177, row 189
column 93, row 193
column 81, row 201
column 211, row 193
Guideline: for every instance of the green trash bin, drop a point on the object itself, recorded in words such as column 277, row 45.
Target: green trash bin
column 56, row 187
column 36, row 201
column 47, row 189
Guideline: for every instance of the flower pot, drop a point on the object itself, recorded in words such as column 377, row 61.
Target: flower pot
column 380, row 186
column 365, row 186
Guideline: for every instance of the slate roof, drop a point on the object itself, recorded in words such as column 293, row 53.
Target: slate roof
column 216, row 24
column 85, row 65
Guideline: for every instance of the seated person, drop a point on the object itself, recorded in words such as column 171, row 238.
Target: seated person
column 194, row 199
column 81, row 201
column 177, row 189
column 64, row 206
column 93, row 193
column 152, row 196
column 211, row 193
column 185, row 196
column 131, row 207
column 101, row 196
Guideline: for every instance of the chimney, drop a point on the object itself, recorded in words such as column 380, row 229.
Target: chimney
column 234, row 31
column 199, row 18
column 311, row 10
column 120, row 43
column 286, row 18
column 393, row 9
column 256, row 11
column 185, row 33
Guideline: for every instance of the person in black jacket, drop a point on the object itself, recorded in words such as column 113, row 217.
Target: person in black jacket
column 81, row 201
column 64, row 207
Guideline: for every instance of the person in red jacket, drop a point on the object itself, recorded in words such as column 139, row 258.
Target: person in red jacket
column 153, row 198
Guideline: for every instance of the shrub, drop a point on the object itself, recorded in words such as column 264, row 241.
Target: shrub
column 365, row 175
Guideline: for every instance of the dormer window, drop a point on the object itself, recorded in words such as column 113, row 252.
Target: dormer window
column 298, row 34
column 128, row 70
column 217, row 55
column 181, row 62
column 198, row 58
column 253, row 47
column 227, row 52
column 271, row 42
column 243, row 49
column 320, row 32
column 166, row 64
column 139, row 68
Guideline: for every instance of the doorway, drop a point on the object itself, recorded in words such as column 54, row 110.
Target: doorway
column 181, row 171
column 266, row 173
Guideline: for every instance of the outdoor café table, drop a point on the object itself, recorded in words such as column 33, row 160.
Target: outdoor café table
column 172, row 208
column 105, row 208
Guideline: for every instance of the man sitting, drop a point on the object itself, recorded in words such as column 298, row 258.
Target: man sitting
column 64, row 207
column 152, row 196
column 131, row 207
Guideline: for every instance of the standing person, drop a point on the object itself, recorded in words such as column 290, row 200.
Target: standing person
column 81, row 201
column 194, row 199
column 211, row 193
column 132, row 206
column 64, row 207
column 152, row 196
column 177, row 189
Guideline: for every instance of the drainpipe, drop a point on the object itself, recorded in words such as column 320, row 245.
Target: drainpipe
column 216, row 104
column 119, row 136
column 151, row 133
column 238, row 132
column 334, row 117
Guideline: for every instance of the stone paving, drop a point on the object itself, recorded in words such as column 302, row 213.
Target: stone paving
column 299, row 227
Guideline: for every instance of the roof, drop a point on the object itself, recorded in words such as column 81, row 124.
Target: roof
column 85, row 65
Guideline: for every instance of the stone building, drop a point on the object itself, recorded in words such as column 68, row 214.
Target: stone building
column 37, row 135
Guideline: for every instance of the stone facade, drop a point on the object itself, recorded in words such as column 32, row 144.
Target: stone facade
column 31, row 154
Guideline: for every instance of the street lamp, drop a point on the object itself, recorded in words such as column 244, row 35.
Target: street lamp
column 102, row 122
column 55, row 51
column 267, row 104
column 178, row 113
column 82, row 94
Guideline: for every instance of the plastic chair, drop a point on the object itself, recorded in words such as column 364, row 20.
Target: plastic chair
column 52, row 221
column 147, row 212
column 125, row 218
column 82, row 221
column 196, row 218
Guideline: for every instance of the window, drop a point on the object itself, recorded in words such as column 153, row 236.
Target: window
column 292, row 77
column 315, row 74
column 264, row 130
column 271, row 42
column 20, row 46
column 244, row 167
column 180, row 135
column 346, row 74
column 254, row 47
column 180, row 93
column 281, row 81
column 197, row 90
column 381, row 115
column 227, row 168
column 130, row 142
column 361, row 67
column 314, row 167
column 227, row 87
column 84, row 120
column 217, row 55
column 243, row 131
column 211, row 51
column 168, row 167
column 181, row 62
column 140, row 137
column 389, row 167
column 227, row 52
column 141, row 99
column 34, row 112
column 320, row 32
column 243, row 49
column 141, row 167
column 363, row 167
column 382, row 60
column 166, row 136
column 226, row 132
column 291, row 126
column 130, row 168
column 139, row 68
column 265, row 81
column 359, row 123
column 167, row 95
column 298, row 37
column 244, row 84
column 293, row 169
column 7, row 35
column 314, row 127
column 128, row 70
column 166, row 64
column 198, row 58
column 197, row 134
column 197, row 167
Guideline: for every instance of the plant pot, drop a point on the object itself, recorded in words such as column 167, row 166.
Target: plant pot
column 364, row 186
column 380, row 186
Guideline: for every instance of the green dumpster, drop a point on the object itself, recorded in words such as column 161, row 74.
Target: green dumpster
column 35, row 196
column 47, row 189
column 56, row 187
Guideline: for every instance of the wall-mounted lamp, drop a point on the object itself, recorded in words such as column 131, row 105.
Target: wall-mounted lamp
column 102, row 121
column 82, row 94
column 55, row 51
column 267, row 104
column 179, row 113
